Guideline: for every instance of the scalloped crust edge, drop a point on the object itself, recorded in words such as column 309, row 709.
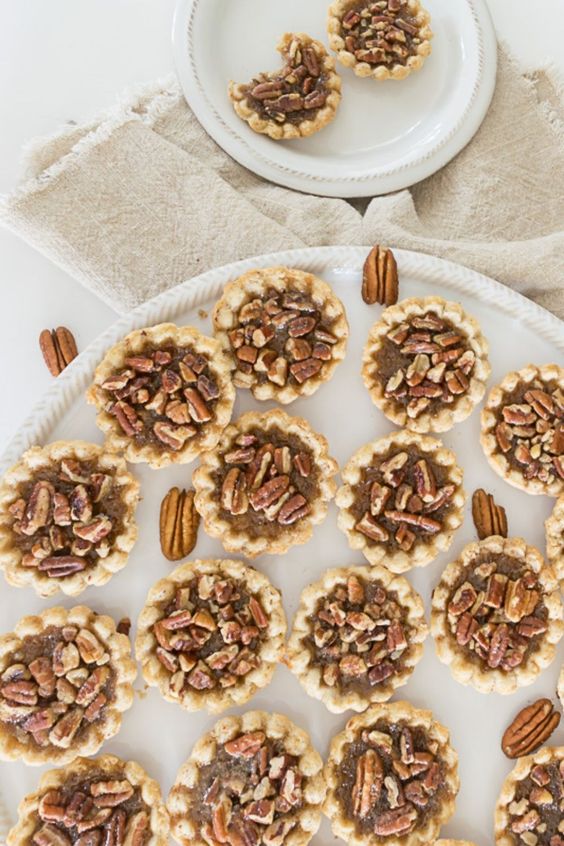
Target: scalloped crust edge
column 554, row 528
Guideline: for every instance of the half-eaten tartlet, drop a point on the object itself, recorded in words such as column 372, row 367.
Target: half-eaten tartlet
column 523, row 429
column 163, row 394
column 266, row 484
column 67, row 517
column 210, row 634
column 383, row 40
column 65, row 679
column 554, row 528
column 357, row 636
column 497, row 615
column 285, row 329
column 92, row 802
column 425, row 364
column 392, row 777
column 402, row 500
column 529, row 811
column 297, row 100
column 251, row 779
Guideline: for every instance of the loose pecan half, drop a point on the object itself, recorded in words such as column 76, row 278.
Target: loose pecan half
column 58, row 348
column 380, row 277
column 489, row 518
column 178, row 524
column 530, row 729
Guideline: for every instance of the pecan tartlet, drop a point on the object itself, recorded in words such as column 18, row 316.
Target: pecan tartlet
column 266, row 484
column 554, row 529
column 402, row 500
column 65, row 679
column 497, row 615
column 426, row 364
column 254, row 779
column 523, row 429
column 383, row 40
column 66, row 518
column 285, row 329
column 164, row 394
column 297, row 100
column 392, row 777
column 357, row 636
column 210, row 634
column 530, row 809
column 90, row 802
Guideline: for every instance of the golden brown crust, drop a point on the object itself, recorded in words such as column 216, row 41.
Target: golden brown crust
column 181, row 801
column 300, row 659
column 289, row 130
column 270, row 649
column 477, row 673
column 166, row 335
column 256, row 283
column 82, row 769
column 98, row 573
column 554, row 528
column 420, row 554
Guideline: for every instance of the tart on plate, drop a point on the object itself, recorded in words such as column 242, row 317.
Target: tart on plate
column 251, row 779
column 357, row 636
column 285, row 329
column 297, row 100
column 67, row 517
column 402, row 500
column 65, row 679
column 523, row 429
column 210, row 634
column 90, row 802
column 554, row 528
column 392, row 777
column 497, row 615
column 383, row 40
column 163, row 394
column 266, row 484
column 425, row 364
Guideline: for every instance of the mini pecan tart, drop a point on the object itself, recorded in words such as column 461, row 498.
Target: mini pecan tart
column 210, row 634
column 554, row 528
column 92, row 802
column 66, row 518
column 426, row 364
column 65, row 679
column 163, row 394
column 402, row 500
column 497, row 615
column 357, row 636
column 254, row 779
column 523, row 429
column 286, row 330
column 530, row 808
column 383, row 40
column 266, row 484
column 392, row 777
column 293, row 102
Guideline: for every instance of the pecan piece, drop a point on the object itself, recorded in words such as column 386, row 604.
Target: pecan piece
column 51, row 835
column 420, row 520
column 233, row 492
column 368, row 783
column 58, row 347
column 293, row 510
column 489, row 518
column 373, row 530
column 530, row 729
column 173, row 436
column 246, row 745
column 398, row 821
column 304, row 370
column 269, row 493
column 59, row 566
column 380, row 277
column 178, row 524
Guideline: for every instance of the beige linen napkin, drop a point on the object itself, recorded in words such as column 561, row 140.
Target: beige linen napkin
column 143, row 199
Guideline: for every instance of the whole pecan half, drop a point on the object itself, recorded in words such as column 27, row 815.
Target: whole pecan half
column 58, row 347
column 530, row 729
column 178, row 524
column 489, row 518
column 380, row 277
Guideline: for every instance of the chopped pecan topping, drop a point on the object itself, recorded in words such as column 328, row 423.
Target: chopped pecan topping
column 535, row 814
column 381, row 34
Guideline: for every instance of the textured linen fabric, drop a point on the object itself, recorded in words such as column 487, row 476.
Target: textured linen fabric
column 142, row 199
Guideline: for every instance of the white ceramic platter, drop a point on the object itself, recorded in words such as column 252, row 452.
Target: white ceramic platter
column 160, row 735
column 386, row 136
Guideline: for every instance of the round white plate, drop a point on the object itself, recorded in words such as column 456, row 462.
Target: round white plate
column 386, row 136
column 160, row 735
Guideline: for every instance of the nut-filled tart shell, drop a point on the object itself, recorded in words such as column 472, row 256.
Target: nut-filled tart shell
column 296, row 101
column 164, row 395
column 523, row 429
column 210, row 634
column 67, row 517
column 497, row 615
column 554, row 528
column 216, row 796
column 388, row 753
column 90, row 801
column 380, row 40
column 65, row 680
column 357, row 636
column 401, row 501
column 266, row 484
column 529, row 807
column 425, row 364
column 285, row 329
